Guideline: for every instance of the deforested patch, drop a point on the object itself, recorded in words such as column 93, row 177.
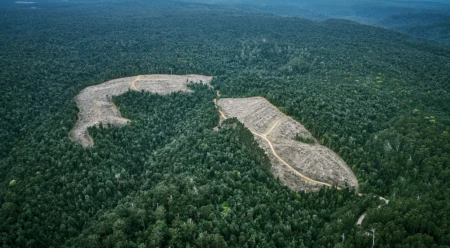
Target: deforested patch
column 96, row 106
column 300, row 165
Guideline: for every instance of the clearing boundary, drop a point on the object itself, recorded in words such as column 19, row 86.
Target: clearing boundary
column 314, row 164
column 272, row 129
column 276, row 159
column 96, row 106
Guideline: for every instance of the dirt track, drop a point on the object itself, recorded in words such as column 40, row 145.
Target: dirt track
column 96, row 106
column 305, row 161
column 316, row 165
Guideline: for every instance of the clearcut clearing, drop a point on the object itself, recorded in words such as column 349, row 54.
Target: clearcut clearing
column 314, row 164
column 301, row 166
column 96, row 106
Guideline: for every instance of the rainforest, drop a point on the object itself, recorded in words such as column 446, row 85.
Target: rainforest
column 183, row 171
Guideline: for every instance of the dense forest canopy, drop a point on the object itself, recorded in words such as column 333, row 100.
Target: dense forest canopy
column 423, row 19
column 379, row 98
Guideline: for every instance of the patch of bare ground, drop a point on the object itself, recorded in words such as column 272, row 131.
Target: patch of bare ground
column 300, row 166
column 285, row 174
column 96, row 106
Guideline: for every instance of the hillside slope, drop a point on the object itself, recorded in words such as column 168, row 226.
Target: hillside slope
column 377, row 98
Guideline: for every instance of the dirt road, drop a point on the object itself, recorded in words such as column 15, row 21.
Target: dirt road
column 264, row 137
column 286, row 164
column 96, row 106
column 133, row 84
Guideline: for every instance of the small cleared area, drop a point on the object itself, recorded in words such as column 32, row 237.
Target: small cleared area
column 96, row 106
column 297, row 158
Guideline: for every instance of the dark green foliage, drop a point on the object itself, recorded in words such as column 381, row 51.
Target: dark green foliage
column 378, row 98
column 210, row 190
column 306, row 140
column 432, row 25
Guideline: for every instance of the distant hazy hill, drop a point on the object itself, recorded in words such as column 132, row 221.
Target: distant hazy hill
column 422, row 19
column 427, row 25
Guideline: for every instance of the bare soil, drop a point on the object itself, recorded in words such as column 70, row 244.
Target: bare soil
column 299, row 165
column 96, row 106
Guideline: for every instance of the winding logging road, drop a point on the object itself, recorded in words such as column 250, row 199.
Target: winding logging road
column 264, row 137
column 133, row 84
column 290, row 167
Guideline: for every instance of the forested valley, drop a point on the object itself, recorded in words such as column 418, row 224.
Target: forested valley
column 378, row 98
column 428, row 20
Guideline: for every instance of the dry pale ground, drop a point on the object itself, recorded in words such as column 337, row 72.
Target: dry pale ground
column 96, row 106
column 299, row 165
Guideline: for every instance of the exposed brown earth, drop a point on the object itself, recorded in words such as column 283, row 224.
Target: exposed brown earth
column 96, row 106
column 295, row 163
column 299, row 165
